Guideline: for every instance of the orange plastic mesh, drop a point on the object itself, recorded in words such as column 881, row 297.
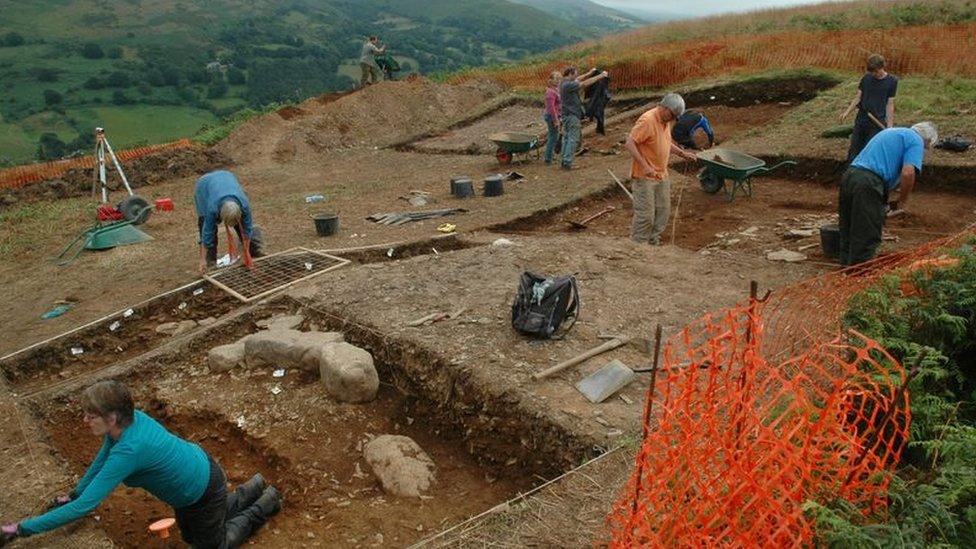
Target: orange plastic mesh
column 763, row 407
column 635, row 63
column 18, row 176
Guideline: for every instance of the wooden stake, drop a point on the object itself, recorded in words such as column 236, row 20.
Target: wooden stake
column 648, row 404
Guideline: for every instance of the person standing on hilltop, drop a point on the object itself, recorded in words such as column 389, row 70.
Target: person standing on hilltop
column 551, row 113
column 875, row 97
column 572, row 109
column 650, row 146
column 367, row 61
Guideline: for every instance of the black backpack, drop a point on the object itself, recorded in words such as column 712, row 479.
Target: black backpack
column 544, row 303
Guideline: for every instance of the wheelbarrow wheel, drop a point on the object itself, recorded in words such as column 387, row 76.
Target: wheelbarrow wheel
column 135, row 209
column 503, row 156
column 710, row 183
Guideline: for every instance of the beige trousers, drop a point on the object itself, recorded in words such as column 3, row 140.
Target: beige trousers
column 652, row 207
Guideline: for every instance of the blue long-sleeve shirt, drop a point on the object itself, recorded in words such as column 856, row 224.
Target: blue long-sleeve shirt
column 688, row 123
column 145, row 456
column 211, row 191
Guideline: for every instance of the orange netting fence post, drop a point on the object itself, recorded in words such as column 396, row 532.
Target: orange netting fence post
column 742, row 442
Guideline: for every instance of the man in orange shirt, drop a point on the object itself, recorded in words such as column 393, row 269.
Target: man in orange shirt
column 650, row 145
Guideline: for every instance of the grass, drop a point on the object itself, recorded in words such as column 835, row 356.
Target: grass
column 27, row 229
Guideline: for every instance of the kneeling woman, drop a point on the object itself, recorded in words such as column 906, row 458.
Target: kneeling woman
column 139, row 452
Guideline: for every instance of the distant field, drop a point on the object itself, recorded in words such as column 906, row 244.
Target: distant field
column 125, row 126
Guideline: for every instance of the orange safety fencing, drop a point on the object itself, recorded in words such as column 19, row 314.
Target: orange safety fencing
column 765, row 406
column 633, row 63
column 12, row 178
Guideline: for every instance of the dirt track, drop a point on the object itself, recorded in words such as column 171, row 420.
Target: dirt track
column 285, row 156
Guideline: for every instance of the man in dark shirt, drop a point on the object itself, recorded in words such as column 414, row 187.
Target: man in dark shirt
column 572, row 109
column 875, row 97
column 687, row 125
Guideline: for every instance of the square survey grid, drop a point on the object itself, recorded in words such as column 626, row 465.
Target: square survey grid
column 273, row 273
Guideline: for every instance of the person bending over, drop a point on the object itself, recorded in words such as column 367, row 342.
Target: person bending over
column 139, row 452
column 892, row 159
column 219, row 198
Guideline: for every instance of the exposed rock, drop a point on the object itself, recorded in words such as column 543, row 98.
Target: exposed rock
column 400, row 464
column 348, row 373
column 786, row 255
column 176, row 328
column 207, row 321
column 281, row 322
column 287, row 348
column 225, row 357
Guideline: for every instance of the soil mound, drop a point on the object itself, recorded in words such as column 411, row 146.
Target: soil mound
column 377, row 116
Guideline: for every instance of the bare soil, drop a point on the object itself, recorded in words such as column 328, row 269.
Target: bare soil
column 461, row 387
column 473, row 139
column 305, row 444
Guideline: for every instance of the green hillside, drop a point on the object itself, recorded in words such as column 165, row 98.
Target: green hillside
column 155, row 70
column 586, row 14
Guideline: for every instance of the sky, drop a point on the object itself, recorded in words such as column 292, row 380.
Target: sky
column 694, row 8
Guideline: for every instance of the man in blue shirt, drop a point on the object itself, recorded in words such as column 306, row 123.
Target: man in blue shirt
column 893, row 158
column 683, row 132
column 219, row 198
column 572, row 109
column 139, row 452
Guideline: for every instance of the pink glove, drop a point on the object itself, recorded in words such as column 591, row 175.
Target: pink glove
column 9, row 532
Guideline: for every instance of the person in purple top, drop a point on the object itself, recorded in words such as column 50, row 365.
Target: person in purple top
column 551, row 114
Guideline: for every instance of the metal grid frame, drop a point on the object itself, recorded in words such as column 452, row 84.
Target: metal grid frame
column 273, row 273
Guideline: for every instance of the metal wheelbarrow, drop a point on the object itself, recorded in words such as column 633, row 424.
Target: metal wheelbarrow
column 738, row 168
column 510, row 144
column 104, row 236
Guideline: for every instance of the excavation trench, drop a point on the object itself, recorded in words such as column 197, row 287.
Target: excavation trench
column 487, row 447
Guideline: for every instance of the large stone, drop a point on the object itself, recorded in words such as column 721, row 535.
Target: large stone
column 287, row 348
column 225, row 357
column 400, row 464
column 348, row 373
column 788, row 256
column 176, row 328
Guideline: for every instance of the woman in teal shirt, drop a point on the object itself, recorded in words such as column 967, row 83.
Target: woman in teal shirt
column 139, row 452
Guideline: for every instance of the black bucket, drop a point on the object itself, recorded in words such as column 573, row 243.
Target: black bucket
column 494, row 186
column 462, row 188
column 326, row 224
column 830, row 241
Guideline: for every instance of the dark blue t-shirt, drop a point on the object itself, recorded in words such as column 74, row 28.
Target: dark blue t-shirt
column 570, row 98
column 874, row 96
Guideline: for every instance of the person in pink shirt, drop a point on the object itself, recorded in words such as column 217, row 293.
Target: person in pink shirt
column 551, row 114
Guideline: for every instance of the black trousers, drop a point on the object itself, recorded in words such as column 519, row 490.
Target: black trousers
column 862, row 215
column 255, row 247
column 864, row 130
column 217, row 520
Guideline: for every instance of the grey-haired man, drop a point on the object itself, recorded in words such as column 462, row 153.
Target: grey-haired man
column 650, row 146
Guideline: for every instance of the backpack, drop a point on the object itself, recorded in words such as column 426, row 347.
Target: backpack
column 955, row 144
column 542, row 304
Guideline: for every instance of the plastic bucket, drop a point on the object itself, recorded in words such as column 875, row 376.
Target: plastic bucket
column 326, row 224
column 830, row 241
column 462, row 188
column 494, row 185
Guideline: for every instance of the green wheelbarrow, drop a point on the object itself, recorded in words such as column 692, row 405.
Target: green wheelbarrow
column 102, row 236
column 738, row 168
column 511, row 144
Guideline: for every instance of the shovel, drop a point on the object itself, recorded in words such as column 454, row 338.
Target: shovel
column 580, row 225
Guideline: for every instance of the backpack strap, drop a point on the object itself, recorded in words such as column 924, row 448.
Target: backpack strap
column 572, row 308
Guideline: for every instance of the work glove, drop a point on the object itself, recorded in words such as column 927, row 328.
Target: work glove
column 58, row 502
column 8, row 532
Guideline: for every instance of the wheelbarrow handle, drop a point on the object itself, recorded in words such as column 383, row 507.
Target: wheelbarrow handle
column 767, row 169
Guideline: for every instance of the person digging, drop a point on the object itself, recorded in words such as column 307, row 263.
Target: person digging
column 219, row 199
column 139, row 452
column 892, row 159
